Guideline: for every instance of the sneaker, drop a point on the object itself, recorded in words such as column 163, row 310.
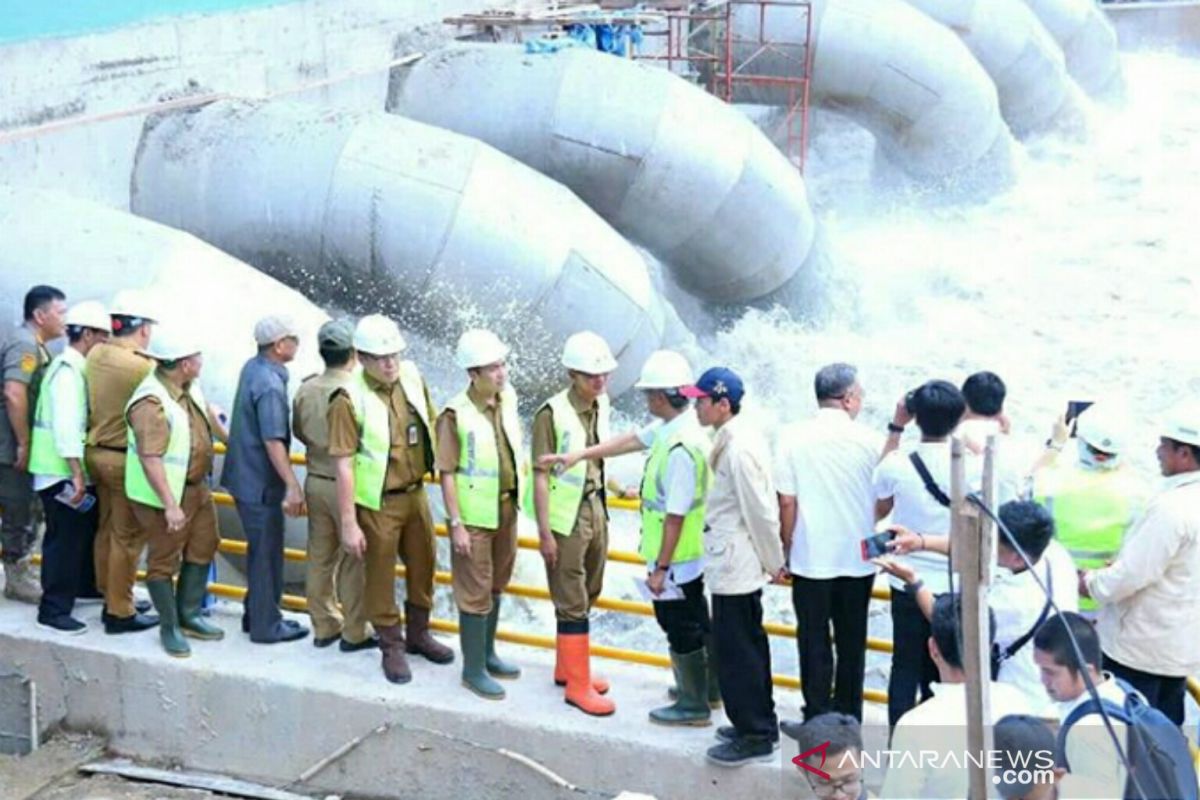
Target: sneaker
column 67, row 625
column 727, row 733
column 741, row 751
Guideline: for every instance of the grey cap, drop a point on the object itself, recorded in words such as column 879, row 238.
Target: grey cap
column 337, row 334
column 270, row 330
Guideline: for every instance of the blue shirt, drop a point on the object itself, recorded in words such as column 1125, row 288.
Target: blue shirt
column 260, row 415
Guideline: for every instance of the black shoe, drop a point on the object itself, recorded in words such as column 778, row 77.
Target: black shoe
column 326, row 641
column 131, row 624
column 142, row 606
column 791, row 728
column 742, row 750
column 68, row 625
column 370, row 643
column 727, row 733
column 284, row 632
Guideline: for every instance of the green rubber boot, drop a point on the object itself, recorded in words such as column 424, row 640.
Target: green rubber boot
column 163, row 595
column 692, row 706
column 472, row 630
column 193, row 583
column 496, row 666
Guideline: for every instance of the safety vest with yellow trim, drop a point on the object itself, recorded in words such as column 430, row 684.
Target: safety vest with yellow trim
column 179, row 442
column 1092, row 509
column 375, row 434
column 478, row 475
column 654, row 495
column 43, row 453
column 566, row 488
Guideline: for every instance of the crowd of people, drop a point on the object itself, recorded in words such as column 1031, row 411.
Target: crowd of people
column 117, row 439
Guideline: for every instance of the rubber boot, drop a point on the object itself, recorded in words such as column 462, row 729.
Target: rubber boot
column 472, row 631
column 395, row 663
column 173, row 641
column 713, row 689
column 576, row 661
column 496, row 666
column 20, row 583
column 692, row 706
column 599, row 684
column 193, row 586
column 420, row 640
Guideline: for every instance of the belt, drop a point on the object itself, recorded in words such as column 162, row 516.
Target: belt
column 322, row 477
column 113, row 449
column 412, row 487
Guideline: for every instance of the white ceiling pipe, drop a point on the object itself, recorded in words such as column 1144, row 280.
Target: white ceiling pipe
column 376, row 212
column 1088, row 40
column 667, row 164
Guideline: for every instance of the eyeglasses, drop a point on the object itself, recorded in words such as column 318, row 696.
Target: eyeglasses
column 851, row 786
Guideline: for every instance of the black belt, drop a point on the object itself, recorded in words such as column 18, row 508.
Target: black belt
column 412, row 487
column 322, row 477
column 113, row 449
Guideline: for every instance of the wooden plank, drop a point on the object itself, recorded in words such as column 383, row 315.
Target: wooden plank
column 125, row 768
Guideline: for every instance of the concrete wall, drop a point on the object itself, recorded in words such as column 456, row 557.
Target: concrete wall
column 250, row 53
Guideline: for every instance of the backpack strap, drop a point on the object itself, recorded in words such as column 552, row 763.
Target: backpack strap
column 1090, row 706
column 1015, row 646
column 930, row 485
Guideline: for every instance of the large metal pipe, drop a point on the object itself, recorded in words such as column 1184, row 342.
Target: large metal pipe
column 1088, row 40
column 375, row 212
column 667, row 164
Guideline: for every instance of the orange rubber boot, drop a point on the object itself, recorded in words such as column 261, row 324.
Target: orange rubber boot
column 576, row 661
column 600, row 685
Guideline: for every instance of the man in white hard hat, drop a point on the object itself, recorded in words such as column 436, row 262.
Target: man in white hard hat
column 59, row 475
column 674, row 488
column 478, row 458
column 571, row 516
column 258, row 473
column 1095, row 496
column 167, row 468
column 381, row 438
column 23, row 356
column 116, row 368
column 1150, row 596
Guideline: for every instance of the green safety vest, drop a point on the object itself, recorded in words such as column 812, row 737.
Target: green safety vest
column 478, row 475
column 43, row 454
column 654, row 495
column 566, row 488
column 179, row 443
column 375, row 434
column 1092, row 509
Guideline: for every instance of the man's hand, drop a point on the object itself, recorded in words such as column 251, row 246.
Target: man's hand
column 657, row 581
column 460, row 540
column 901, row 417
column 905, row 541
column 558, row 462
column 22, row 462
column 1060, row 432
column 1083, row 587
column 548, row 547
column 175, row 519
column 354, row 542
column 781, row 577
column 630, row 493
column 80, row 489
column 293, row 501
column 902, row 571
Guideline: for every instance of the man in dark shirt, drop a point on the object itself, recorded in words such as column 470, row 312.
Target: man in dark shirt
column 258, row 473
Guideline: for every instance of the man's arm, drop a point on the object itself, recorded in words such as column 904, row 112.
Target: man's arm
column 1138, row 566
column 900, row 418
column 277, row 453
column 760, row 509
column 271, row 408
column 68, row 423
column 609, row 448
column 787, row 520
column 541, row 508
column 16, row 405
column 353, row 540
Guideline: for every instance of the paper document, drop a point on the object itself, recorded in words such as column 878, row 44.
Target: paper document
column 68, row 492
column 670, row 590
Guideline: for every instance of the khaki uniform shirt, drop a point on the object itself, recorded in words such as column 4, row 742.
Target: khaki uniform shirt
column 114, row 370
column 543, row 438
column 150, row 428
column 310, row 412
column 23, row 358
column 407, row 464
column 448, row 448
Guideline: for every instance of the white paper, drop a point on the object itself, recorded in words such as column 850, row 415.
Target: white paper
column 670, row 591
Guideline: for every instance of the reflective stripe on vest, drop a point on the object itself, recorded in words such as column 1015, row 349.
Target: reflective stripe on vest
column 179, row 443
column 566, row 488
column 43, row 453
column 375, row 434
column 478, row 475
column 654, row 495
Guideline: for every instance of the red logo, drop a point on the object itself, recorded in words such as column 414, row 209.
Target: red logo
column 802, row 764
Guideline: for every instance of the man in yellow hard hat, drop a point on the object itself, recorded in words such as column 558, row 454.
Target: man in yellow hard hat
column 479, row 446
column 382, row 443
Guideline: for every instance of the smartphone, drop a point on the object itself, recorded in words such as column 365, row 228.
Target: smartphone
column 876, row 545
column 1074, row 409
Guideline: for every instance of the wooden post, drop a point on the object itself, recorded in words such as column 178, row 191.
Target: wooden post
column 971, row 547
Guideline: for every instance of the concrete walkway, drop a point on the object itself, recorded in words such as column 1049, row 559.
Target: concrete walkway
column 271, row 713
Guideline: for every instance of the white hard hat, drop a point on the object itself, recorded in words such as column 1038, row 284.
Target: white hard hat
column 377, row 335
column 133, row 303
column 665, row 369
column 89, row 314
column 1183, row 424
column 172, row 342
column 1102, row 428
column 587, row 352
column 478, row 348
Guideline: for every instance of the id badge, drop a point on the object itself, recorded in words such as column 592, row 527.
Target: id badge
column 412, row 434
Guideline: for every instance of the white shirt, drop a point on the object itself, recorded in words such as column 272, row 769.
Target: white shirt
column 68, row 420
column 681, row 487
column 1091, row 754
column 827, row 463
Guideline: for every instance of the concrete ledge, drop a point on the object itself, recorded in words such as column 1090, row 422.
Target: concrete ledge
column 269, row 713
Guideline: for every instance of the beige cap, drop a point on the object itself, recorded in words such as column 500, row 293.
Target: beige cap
column 270, row 330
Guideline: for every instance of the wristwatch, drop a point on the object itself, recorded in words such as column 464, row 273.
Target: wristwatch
column 658, row 567
column 915, row 586
column 454, row 522
column 894, row 428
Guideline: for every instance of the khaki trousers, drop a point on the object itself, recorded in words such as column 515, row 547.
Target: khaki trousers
column 402, row 526
column 332, row 576
column 578, row 574
column 119, row 539
column 489, row 568
column 196, row 542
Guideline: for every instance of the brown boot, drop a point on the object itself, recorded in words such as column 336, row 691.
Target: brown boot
column 395, row 663
column 420, row 641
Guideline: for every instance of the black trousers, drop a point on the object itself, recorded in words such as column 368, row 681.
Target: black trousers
column 842, row 602
column 744, row 664
column 912, row 667
column 685, row 622
column 68, row 558
column 263, row 525
column 1162, row 692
